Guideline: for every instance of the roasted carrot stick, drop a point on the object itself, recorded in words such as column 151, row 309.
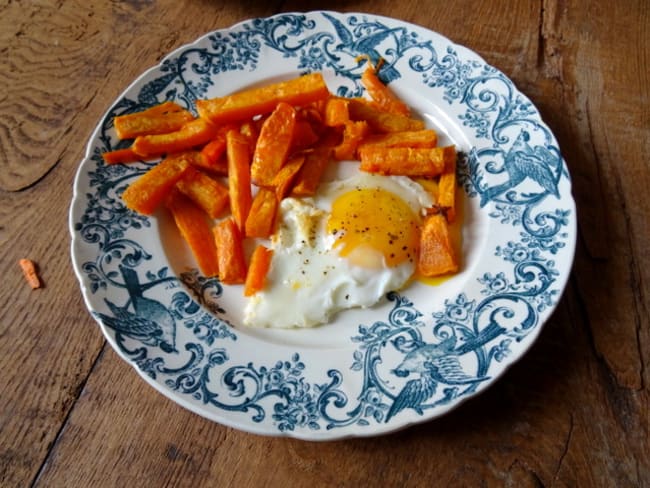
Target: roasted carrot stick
column 193, row 225
column 230, row 251
column 149, row 190
column 239, row 176
column 257, row 270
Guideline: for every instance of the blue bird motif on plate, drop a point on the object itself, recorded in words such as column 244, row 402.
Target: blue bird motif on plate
column 365, row 46
column 437, row 363
column 150, row 321
column 523, row 161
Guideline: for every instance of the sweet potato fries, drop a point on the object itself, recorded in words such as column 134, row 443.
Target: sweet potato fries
column 223, row 174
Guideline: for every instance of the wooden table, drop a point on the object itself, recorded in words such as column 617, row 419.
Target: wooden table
column 572, row 412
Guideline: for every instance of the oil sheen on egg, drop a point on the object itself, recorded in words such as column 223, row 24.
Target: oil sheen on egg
column 347, row 247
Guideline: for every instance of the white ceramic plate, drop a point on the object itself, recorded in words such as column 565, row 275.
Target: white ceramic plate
column 412, row 358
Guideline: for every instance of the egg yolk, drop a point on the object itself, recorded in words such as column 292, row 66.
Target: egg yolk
column 368, row 219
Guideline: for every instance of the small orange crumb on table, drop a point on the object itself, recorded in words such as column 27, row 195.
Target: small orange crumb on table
column 29, row 271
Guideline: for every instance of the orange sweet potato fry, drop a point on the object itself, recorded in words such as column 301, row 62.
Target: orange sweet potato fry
column 261, row 218
column 379, row 120
column 149, row 190
column 200, row 161
column 250, row 129
column 193, row 225
column 353, row 133
column 230, row 252
column 193, row 133
column 159, row 119
column 214, row 152
column 246, row 104
column 309, row 176
column 437, row 255
column 257, row 270
column 286, row 176
column 214, row 156
column 417, row 138
column 303, row 136
column 314, row 112
column 215, row 149
column 331, row 136
column 447, row 191
column 239, row 176
column 120, row 156
column 382, row 95
column 314, row 115
column 405, row 160
column 316, row 109
column 204, row 191
column 273, row 144
column 337, row 112
column 164, row 108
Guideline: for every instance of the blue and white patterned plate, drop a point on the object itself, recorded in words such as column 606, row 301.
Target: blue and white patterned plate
column 410, row 359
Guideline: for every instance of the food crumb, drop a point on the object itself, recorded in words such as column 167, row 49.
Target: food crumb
column 29, row 271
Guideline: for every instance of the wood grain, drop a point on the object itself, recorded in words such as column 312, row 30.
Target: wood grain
column 573, row 412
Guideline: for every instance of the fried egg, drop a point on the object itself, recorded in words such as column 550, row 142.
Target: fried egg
column 347, row 246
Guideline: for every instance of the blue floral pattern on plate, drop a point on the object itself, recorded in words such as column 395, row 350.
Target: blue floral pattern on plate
column 412, row 359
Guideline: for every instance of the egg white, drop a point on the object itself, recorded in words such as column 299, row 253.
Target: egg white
column 308, row 282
